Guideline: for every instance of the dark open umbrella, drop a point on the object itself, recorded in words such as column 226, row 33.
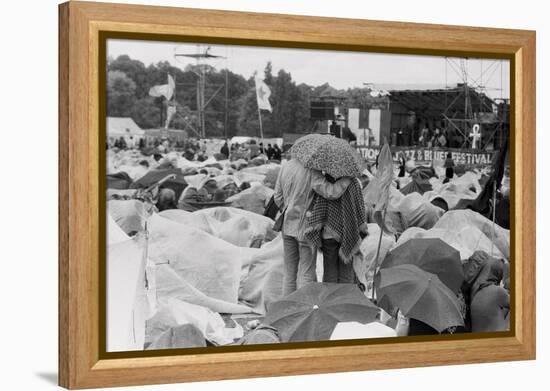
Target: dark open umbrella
column 312, row 312
column 417, row 185
column 423, row 172
column 176, row 182
column 119, row 181
column 431, row 255
column 419, row 295
column 327, row 153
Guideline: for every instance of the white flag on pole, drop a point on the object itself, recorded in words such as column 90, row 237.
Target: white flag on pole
column 262, row 95
column 166, row 90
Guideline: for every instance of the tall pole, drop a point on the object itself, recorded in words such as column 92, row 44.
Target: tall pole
column 203, row 123
column 168, row 103
column 467, row 111
column 494, row 215
column 261, row 128
column 161, row 109
column 375, row 263
column 226, row 102
column 199, row 110
column 174, row 94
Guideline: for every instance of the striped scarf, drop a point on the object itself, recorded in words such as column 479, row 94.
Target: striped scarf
column 344, row 216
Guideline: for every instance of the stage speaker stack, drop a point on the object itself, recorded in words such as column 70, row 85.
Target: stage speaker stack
column 321, row 110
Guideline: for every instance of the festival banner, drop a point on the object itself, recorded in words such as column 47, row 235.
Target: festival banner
column 427, row 155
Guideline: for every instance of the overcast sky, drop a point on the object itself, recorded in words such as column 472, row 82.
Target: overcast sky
column 340, row 69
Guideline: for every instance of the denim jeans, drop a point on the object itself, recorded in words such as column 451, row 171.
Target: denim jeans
column 299, row 264
column 334, row 270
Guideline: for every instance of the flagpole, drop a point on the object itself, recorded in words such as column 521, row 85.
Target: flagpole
column 261, row 128
column 146, row 254
column 174, row 94
column 225, row 115
column 494, row 215
column 375, row 263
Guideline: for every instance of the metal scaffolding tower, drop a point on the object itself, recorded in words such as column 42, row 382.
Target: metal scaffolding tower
column 201, row 68
column 473, row 85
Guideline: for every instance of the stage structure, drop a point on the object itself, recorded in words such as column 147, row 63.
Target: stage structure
column 201, row 69
column 484, row 121
column 324, row 109
column 369, row 123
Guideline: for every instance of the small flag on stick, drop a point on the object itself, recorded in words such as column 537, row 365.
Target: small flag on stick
column 377, row 192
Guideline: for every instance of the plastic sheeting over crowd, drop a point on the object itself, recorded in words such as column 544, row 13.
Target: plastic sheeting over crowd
column 175, row 277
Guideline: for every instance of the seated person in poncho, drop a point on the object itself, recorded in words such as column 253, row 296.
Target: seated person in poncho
column 488, row 303
column 190, row 196
column 166, row 199
column 337, row 227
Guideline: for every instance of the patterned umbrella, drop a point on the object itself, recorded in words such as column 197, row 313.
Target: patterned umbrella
column 419, row 295
column 312, row 312
column 329, row 154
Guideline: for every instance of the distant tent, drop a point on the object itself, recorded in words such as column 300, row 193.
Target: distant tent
column 122, row 127
column 241, row 139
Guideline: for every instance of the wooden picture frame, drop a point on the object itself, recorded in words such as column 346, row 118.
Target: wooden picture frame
column 81, row 24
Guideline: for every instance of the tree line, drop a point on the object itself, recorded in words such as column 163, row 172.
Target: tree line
column 129, row 81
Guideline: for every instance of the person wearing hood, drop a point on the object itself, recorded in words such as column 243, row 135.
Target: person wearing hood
column 166, row 199
column 189, row 198
column 488, row 301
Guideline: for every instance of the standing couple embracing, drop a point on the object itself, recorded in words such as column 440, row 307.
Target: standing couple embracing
column 319, row 212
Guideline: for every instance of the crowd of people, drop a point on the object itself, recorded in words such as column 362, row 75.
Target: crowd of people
column 315, row 227
column 252, row 150
column 429, row 136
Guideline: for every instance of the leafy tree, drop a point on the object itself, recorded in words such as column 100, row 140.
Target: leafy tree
column 284, row 105
column 248, row 121
column 361, row 97
column 301, row 97
column 268, row 74
column 120, row 94
column 238, row 87
column 289, row 102
column 185, row 119
column 129, row 81
column 135, row 70
column 146, row 112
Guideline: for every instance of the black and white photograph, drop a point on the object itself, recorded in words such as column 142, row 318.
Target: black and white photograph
column 265, row 195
